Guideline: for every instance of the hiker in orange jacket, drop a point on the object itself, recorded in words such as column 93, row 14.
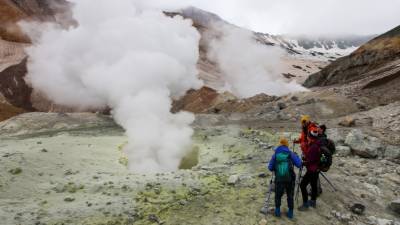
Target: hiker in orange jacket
column 306, row 125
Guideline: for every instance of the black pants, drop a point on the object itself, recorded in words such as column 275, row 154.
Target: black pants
column 280, row 189
column 309, row 178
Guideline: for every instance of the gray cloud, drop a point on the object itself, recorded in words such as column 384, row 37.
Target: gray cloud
column 314, row 17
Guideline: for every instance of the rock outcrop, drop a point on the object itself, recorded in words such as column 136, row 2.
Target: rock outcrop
column 16, row 95
column 364, row 145
column 395, row 206
column 392, row 152
column 13, row 86
column 208, row 100
column 371, row 56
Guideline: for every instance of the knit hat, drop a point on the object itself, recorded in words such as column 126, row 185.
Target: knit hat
column 305, row 119
column 284, row 141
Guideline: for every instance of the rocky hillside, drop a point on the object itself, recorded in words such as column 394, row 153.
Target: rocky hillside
column 304, row 56
column 208, row 100
column 329, row 43
column 10, row 14
column 14, row 11
column 375, row 56
column 16, row 96
column 370, row 74
column 324, row 47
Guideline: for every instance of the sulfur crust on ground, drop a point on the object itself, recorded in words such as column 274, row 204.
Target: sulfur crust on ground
column 71, row 174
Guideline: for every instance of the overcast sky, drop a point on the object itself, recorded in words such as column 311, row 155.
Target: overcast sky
column 314, row 17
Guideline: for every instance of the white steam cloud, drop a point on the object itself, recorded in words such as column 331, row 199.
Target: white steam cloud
column 130, row 58
column 248, row 67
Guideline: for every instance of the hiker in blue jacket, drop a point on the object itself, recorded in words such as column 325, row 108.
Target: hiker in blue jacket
column 285, row 178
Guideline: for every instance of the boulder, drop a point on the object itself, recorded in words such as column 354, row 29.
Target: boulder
column 343, row 217
column 392, row 152
column 348, row 122
column 363, row 145
column 263, row 222
column 343, row 151
column 336, row 136
column 234, row 179
column 395, row 205
column 358, row 208
column 282, row 105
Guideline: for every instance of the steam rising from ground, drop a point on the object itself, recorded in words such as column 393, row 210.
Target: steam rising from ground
column 248, row 67
column 130, row 58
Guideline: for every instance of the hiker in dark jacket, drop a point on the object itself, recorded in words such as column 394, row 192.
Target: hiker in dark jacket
column 311, row 161
column 282, row 164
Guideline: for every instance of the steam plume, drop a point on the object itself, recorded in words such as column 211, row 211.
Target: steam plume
column 130, row 58
column 249, row 68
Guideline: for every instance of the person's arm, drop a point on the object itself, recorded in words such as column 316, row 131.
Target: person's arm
column 299, row 140
column 296, row 160
column 271, row 164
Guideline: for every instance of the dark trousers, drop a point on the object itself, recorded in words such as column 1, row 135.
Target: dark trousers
column 280, row 189
column 309, row 178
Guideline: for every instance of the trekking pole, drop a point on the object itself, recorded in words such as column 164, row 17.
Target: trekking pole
column 329, row 182
column 265, row 208
column 298, row 179
column 293, row 147
column 298, row 185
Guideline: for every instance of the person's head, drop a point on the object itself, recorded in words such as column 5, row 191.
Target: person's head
column 305, row 120
column 284, row 141
column 313, row 132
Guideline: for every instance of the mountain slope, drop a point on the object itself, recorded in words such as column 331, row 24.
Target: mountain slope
column 360, row 64
column 295, row 44
column 9, row 16
column 304, row 55
column 298, row 63
column 13, row 11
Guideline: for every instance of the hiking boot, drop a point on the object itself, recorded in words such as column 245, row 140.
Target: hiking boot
column 289, row 214
column 278, row 212
column 312, row 203
column 304, row 207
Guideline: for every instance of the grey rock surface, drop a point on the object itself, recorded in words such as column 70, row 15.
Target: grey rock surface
column 364, row 145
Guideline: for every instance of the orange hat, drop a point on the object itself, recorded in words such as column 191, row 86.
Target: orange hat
column 284, row 141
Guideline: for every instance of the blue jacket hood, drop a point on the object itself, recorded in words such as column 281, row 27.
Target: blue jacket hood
column 282, row 149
